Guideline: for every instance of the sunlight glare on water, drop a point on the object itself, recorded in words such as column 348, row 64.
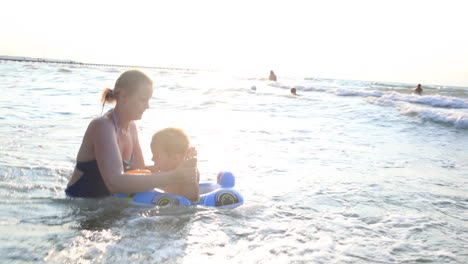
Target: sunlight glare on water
column 346, row 172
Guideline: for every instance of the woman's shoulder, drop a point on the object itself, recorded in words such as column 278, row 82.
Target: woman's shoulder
column 101, row 122
column 97, row 128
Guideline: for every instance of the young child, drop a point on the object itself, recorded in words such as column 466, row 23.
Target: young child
column 170, row 146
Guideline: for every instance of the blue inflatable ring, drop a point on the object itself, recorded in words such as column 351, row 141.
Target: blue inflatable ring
column 221, row 194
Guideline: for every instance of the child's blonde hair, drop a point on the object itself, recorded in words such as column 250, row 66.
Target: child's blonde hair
column 171, row 140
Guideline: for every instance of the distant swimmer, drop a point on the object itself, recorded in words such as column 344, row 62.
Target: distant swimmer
column 293, row 91
column 418, row 90
column 272, row 76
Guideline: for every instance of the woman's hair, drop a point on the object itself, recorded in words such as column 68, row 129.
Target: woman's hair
column 171, row 140
column 129, row 81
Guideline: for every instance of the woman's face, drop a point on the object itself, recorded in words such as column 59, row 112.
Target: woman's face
column 138, row 102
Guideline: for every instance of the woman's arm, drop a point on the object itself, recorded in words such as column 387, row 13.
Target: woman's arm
column 109, row 162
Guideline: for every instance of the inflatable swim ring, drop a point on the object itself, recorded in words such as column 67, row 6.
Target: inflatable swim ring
column 221, row 194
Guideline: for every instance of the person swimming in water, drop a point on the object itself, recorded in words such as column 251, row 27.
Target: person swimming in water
column 272, row 76
column 293, row 91
column 418, row 90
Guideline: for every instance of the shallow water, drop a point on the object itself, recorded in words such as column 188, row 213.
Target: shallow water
column 346, row 172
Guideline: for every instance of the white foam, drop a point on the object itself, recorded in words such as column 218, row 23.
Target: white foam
column 432, row 100
column 380, row 101
column 456, row 118
column 345, row 92
column 436, row 100
column 311, row 89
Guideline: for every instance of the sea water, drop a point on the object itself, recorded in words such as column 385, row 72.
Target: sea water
column 345, row 172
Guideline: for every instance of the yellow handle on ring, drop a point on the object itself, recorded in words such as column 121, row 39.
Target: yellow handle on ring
column 138, row 171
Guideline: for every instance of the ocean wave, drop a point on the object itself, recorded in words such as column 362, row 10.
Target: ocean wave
column 432, row 100
column 454, row 117
column 391, row 85
column 29, row 66
column 380, row 101
column 64, row 70
column 345, row 92
column 436, row 100
column 457, row 119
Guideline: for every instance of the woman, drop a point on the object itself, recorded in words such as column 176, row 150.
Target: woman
column 110, row 146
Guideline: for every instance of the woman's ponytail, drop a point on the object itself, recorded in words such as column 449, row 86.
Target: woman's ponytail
column 108, row 96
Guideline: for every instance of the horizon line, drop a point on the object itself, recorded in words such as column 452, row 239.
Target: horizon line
column 67, row 61
column 73, row 62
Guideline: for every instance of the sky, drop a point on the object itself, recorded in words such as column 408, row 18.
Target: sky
column 407, row 41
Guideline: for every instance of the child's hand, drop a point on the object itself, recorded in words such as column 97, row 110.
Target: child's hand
column 191, row 153
column 187, row 171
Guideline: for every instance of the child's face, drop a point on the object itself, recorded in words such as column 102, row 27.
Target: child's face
column 165, row 162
